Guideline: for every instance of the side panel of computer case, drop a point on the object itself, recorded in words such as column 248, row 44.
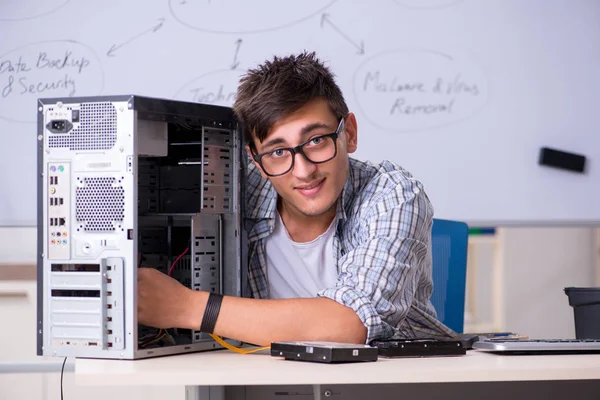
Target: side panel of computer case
column 106, row 203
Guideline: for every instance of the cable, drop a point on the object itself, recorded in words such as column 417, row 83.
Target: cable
column 236, row 349
column 177, row 260
column 62, row 372
column 215, row 337
column 162, row 333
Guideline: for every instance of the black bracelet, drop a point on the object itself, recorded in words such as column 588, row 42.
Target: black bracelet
column 211, row 312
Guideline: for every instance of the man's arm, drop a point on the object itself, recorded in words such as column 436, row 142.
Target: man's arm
column 164, row 303
column 383, row 275
column 265, row 321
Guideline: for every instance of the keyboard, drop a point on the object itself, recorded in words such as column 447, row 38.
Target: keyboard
column 539, row 346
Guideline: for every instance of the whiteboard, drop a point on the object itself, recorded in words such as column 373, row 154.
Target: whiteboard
column 462, row 93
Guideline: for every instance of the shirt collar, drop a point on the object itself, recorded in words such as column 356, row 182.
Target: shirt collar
column 262, row 200
column 346, row 196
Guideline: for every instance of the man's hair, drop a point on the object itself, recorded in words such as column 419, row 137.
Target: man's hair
column 280, row 87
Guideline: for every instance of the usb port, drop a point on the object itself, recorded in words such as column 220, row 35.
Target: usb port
column 61, row 201
column 51, row 201
column 51, row 221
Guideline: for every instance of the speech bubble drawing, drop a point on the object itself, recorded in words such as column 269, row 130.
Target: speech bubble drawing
column 416, row 90
column 18, row 10
column 216, row 87
column 232, row 16
column 59, row 68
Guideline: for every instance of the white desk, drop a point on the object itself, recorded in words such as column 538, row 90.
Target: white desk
column 224, row 368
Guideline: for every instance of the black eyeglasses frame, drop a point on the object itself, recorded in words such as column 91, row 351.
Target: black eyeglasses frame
column 299, row 150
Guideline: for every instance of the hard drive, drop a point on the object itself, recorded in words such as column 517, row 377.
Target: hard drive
column 419, row 348
column 324, row 352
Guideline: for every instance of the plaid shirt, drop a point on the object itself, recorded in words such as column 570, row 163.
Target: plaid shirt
column 382, row 249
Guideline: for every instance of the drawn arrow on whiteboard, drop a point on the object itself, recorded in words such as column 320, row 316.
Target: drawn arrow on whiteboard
column 236, row 63
column 154, row 29
column 326, row 19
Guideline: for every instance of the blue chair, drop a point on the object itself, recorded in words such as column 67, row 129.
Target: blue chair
column 449, row 241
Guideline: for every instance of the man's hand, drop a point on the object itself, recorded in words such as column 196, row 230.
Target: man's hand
column 165, row 303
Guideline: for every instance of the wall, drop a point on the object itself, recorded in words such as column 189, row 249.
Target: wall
column 17, row 245
column 538, row 264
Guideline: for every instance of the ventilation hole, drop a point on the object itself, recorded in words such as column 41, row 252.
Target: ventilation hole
column 97, row 129
column 99, row 205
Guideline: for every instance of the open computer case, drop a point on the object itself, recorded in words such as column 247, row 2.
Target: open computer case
column 130, row 181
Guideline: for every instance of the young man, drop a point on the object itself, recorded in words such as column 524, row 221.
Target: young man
column 339, row 249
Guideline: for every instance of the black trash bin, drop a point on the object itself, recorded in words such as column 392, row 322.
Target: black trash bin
column 586, row 308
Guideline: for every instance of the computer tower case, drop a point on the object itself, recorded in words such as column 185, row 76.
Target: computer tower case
column 130, row 181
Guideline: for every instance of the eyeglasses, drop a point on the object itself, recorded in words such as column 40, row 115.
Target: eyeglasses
column 317, row 150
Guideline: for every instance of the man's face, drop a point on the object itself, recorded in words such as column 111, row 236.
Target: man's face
column 310, row 189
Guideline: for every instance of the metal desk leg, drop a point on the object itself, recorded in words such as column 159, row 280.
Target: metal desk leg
column 317, row 392
column 204, row 393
